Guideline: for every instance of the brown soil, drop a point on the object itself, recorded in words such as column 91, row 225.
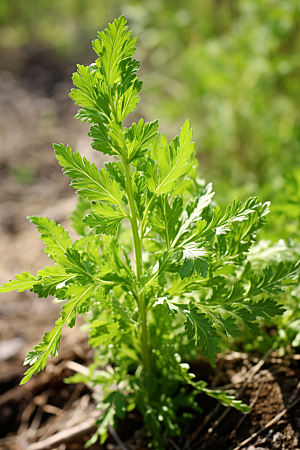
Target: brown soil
column 35, row 111
column 46, row 406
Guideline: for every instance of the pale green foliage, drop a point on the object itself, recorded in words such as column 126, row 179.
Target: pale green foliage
column 180, row 245
column 167, row 163
column 21, row 283
column 82, row 207
column 56, row 239
column 79, row 303
column 104, row 218
column 88, row 180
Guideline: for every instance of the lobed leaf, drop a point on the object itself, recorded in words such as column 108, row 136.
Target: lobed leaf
column 57, row 239
column 92, row 95
column 227, row 400
column 220, row 224
column 104, row 218
column 107, row 90
column 79, row 303
column 49, row 279
column 82, row 207
column 74, row 264
column 114, row 47
column 106, row 141
column 21, row 283
column 165, row 218
column 194, row 261
column 139, row 137
column 114, row 405
column 170, row 162
column 87, row 179
column 198, row 326
column 195, row 215
column 274, row 278
column 103, row 331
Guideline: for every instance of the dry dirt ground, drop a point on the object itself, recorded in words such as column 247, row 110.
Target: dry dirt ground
column 35, row 111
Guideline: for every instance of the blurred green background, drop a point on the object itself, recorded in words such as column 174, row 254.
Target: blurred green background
column 231, row 66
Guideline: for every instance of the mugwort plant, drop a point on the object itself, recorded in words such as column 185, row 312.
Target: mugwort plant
column 157, row 267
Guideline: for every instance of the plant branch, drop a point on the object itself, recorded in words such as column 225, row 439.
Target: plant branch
column 137, row 240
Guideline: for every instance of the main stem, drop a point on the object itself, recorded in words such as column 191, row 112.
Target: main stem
column 139, row 268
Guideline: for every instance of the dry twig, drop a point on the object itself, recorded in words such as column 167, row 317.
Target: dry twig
column 202, row 425
column 232, row 356
column 114, row 434
column 64, row 436
column 256, row 397
column 274, row 420
column 174, row 445
column 248, row 378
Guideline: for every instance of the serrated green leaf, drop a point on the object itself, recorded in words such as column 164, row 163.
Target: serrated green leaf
column 165, row 217
column 227, row 400
column 227, row 325
column 82, row 207
column 195, row 215
column 274, row 278
column 37, row 358
column 259, row 285
column 120, row 310
column 198, row 326
column 171, row 311
column 105, row 141
column 115, row 46
column 115, row 404
column 139, row 193
column 87, row 179
column 88, row 247
column 74, row 264
column 56, row 239
column 220, row 224
column 21, row 283
column 237, row 242
column 104, row 219
column 116, row 266
column 139, row 137
column 194, row 260
column 103, row 331
column 116, row 171
column 239, row 303
column 187, row 269
column 119, row 401
column 264, row 308
column 171, row 162
column 128, row 100
column 92, row 94
column 107, row 90
column 49, row 279
column 225, row 269
column 191, row 284
column 108, row 419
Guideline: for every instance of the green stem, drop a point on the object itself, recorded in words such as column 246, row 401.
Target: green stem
column 166, row 219
column 139, row 268
column 144, row 220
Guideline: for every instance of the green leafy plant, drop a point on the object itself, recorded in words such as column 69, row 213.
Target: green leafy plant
column 157, row 267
